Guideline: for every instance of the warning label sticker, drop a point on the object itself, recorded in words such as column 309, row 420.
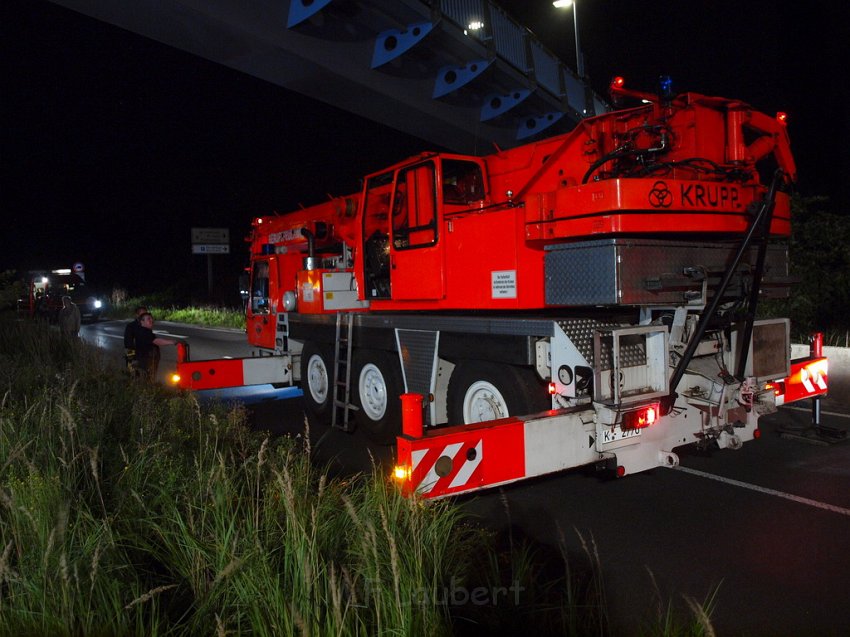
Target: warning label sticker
column 503, row 284
column 307, row 292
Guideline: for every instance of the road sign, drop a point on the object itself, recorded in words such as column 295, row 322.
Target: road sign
column 211, row 235
column 210, row 249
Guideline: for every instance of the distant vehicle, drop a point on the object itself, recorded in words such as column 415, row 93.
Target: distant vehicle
column 45, row 289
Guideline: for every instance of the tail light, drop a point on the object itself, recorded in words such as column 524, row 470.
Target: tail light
column 640, row 418
column 777, row 387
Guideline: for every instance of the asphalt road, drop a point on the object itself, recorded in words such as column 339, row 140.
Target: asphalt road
column 764, row 529
column 767, row 524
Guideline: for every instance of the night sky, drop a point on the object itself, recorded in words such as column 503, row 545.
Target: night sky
column 113, row 146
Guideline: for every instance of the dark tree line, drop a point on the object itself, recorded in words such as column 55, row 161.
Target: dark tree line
column 820, row 264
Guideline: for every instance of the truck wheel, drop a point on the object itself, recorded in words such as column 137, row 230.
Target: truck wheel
column 480, row 391
column 316, row 379
column 376, row 387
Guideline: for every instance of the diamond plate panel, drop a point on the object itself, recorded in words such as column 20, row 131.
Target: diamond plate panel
column 581, row 274
column 643, row 272
column 418, row 350
column 580, row 332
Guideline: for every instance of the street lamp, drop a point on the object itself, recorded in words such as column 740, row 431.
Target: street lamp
column 566, row 4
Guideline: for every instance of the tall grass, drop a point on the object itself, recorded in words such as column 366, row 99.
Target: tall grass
column 129, row 509
column 62, row 570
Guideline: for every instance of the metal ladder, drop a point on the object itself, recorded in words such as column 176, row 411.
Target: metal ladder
column 342, row 372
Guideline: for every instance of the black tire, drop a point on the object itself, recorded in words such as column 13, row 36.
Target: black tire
column 376, row 384
column 480, row 391
column 317, row 381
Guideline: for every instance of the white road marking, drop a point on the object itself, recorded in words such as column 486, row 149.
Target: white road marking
column 232, row 330
column 825, row 413
column 157, row 333
column 774, row 492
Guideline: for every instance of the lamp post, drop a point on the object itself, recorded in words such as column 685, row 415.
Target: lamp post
column 565, row 4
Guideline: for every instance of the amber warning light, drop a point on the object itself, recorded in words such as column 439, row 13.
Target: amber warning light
column 777, row 387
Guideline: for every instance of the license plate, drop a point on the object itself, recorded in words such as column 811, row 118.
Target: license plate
column 615, row 434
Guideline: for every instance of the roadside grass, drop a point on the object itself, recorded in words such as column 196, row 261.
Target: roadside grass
column 130, row 509
column 207, row 316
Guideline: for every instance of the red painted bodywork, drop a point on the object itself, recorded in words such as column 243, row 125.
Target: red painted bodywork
column 809, row 378
column 214, row 374
column 464, row 458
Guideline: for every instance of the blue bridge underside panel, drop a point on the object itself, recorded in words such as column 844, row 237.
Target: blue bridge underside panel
column 497, row 105
column 532, row 126
column 453, row 78
column 392, row 43
column 300, row 11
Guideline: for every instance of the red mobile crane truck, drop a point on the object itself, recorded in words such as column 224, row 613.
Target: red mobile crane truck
column 588, row 298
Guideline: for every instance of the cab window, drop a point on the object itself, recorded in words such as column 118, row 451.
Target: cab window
column 260, row 288
column 377, row 206
column 463, row 182
column 414, row 222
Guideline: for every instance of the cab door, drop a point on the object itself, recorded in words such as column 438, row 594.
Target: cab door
column 376, row 236
column 259, row 319
column 416, row 255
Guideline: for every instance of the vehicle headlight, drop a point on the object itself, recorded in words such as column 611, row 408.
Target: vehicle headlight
column 98, row 304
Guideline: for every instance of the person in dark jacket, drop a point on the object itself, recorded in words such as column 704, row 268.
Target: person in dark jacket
column 130, row 340
column 69, row 317
column 147, row 347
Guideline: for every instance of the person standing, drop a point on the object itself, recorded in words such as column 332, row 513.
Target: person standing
column 130, row 340
column 147, row 347
column 69, row 318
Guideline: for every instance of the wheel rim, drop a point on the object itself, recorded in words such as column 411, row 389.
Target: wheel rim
column 483, row 402
column 373, row 392
column 317, row 379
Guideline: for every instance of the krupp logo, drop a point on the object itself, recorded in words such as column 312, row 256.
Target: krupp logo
column 660, row 195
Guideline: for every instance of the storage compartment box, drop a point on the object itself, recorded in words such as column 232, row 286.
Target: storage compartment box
column 652, row 272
